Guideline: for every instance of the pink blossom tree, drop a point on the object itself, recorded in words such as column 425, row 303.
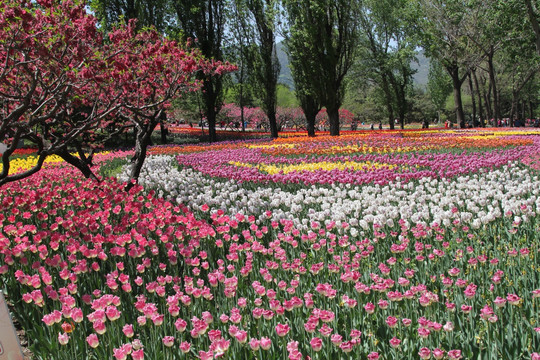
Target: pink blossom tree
column 53, row 83
column 62, row 87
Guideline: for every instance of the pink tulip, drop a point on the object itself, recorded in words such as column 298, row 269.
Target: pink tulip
column 266, row 343
column 316, row 343
column 138, row 354
column 424, row 353
column 185, row 347
column 438, row 354
column 63, row 338
column 168, row 341
column 254, row 344
column 282, row 329
column 454, row 354
column 92, row 341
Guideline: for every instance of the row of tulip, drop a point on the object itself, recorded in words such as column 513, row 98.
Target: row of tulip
column 187, row 265
column 25, row 159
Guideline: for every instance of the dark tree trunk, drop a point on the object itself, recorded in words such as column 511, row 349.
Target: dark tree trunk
column 493, row 85
column 271, row 113
column 453, row 71
column 79, row 163
column 487, row 97
column 211, row 117
column 513, row 107
column 471, row 88
column 478, row 93
column 211, row 90
column 311, row 109
column 241, row 100
column 333, row 119
column 163, row 127
column 142, row 142
column 310, row 125
column 389, row 100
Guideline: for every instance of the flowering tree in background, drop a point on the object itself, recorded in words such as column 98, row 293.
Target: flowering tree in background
column 345, row 118
column 286, row 117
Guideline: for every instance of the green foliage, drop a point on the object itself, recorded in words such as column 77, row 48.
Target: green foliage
column 285, row 97
column 439, row 84
column 148, row 13
column 321, row 43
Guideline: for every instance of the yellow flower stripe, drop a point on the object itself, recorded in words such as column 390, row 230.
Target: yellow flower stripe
column 324, row 165
column 272, row 146
column 26, row 163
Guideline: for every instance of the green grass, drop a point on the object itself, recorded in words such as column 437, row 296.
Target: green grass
column 113, row 167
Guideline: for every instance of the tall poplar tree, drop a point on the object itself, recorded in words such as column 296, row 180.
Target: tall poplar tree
column 204, row 21
column 329, row 29
column 265, row 64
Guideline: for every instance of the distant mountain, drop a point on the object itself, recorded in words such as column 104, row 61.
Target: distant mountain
column 420, row 78
column 285, row 76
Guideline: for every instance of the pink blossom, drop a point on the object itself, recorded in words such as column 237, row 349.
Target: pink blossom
column 138, row 354
column 282, row 329
column 316, row 343
column 424, row 353
column 438, row 353
column 394, row 342
column 254, row 344
column 168, row 341
column 346, row 346
column 92, row 340
column 454, row 354
column 266, row 343
column 63, row 338
column 185, row 347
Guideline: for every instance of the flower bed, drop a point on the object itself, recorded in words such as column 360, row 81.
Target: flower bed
column 435, row 257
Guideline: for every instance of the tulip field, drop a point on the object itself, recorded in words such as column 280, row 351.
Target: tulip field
column 370, row 245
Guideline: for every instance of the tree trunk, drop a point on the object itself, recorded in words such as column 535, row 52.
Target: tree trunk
column 333, row 119
column 211, row 94
column 493, row 83
column 310, row 119
column 83, row 166
column 388, row 95
column 513, row 108
column 211, row 117
column 163, row 127
column 401, row 118
column 141, row 145
column 487, row 97
column 480, row 109
column 471, row 88
column 242, row 99
column 453, row 71
column 271, row 113
column 311, row 107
